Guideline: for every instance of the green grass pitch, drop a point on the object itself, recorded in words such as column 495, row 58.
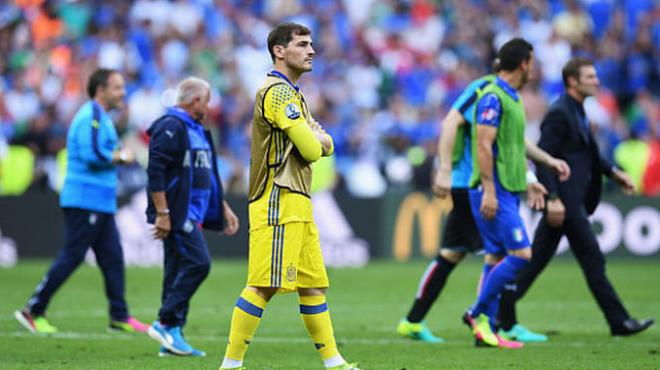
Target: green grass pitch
column 366, row 305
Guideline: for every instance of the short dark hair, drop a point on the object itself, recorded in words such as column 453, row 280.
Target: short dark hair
column 98, row 78
column 282, row 35
column 513, row 53
column 573, row 67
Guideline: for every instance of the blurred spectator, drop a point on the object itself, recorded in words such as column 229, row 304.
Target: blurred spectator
column 384, row 73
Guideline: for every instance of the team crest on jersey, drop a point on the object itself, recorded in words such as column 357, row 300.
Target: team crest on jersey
column 92, row 218
column 517, row 234
column 488, row 114
column 291, row 273
column 292, row 111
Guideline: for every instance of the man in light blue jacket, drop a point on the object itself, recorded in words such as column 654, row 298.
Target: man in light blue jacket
column 89, row 203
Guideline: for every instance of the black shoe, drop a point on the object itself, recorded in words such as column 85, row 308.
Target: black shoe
column 632, row 326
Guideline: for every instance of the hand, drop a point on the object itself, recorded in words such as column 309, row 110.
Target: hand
column 488, row 207
column 536, row 193
column 624, row 181
column 555, row 213
column 123, row 156
column 441, row 186
column 324, row 139
column 561, row 168
column 162, row 226
column 315, row 125
column 231, row 220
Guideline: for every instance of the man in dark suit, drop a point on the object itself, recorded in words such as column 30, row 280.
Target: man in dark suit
column 565, row 134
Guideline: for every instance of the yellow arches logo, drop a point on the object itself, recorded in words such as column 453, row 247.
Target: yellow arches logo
column 430, row 214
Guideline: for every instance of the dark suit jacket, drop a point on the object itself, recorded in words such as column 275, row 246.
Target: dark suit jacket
column 565, row 135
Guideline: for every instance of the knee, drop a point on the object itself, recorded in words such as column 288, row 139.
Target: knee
column 205, row 268
column 303, row 292
column 201, row 268
column 452, row 256
column 492, row 259
column 594, row 262
column 524, row 253
column 73, row 258
column 264, row 292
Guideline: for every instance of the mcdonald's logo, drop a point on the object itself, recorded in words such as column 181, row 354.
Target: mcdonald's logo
column 430, row 214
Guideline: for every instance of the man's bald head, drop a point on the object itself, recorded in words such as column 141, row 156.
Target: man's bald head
column 191, row 88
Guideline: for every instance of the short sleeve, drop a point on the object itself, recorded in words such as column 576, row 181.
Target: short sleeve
column 468, row 97
column 281, row 106
column 489, row 110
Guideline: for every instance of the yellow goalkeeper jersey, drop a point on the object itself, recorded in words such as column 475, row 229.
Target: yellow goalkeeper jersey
column 280, row 179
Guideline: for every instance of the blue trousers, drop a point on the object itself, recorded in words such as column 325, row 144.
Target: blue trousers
column 86, row 229
column 187, row 264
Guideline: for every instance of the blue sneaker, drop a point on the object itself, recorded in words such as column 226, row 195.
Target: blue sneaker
column 164, row 352
column 522, row 334
column 170, row 338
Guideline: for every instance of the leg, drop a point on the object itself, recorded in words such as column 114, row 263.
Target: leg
column 505, row 230
column 459, row 236
column 490, row 261
column 546, row 241
column 267, row 247
column 81, row 230
column 316, row 316
column 187, row 263
column 245, row 320
column 505, row 270
column 591, row 259
column 193, row 265
column 432, row 283
column 312, row 282
column 110, row 257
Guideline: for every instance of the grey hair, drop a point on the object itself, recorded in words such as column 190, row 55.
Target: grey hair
column 190, row 88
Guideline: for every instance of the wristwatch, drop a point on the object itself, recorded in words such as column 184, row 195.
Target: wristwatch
column 553, row 196
column 163, row 212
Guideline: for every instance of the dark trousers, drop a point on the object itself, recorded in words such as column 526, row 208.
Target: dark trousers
column 187, row 263
column 84, row 229
column 586, row 250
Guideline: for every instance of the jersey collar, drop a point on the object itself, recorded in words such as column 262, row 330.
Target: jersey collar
column 96, row 105
column 281, row 75
column 507, row 88
column 184, row 116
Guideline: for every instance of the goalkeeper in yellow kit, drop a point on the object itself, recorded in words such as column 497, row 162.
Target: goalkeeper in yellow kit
column 285, row 251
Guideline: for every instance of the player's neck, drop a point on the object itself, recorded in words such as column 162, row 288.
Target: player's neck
column 514, row 79
column 102, row 103
column 575, row 95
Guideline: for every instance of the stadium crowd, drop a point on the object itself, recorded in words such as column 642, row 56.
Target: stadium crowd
column 384, row 75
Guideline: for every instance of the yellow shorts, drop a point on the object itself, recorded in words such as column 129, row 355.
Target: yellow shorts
column 286, row 256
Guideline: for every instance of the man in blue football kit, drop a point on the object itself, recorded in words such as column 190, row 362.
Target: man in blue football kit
column 499, row 176
column 460, row 235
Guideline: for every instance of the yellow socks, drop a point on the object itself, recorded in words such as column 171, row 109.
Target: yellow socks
column 315, row 315
column 244, row 322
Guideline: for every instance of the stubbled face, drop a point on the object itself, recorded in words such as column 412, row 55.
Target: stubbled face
column 299, row 53
column 528, row 70
column 587, row 84
column 113, row 93
column 200, row 106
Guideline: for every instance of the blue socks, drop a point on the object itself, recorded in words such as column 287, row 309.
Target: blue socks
column 494, row 282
